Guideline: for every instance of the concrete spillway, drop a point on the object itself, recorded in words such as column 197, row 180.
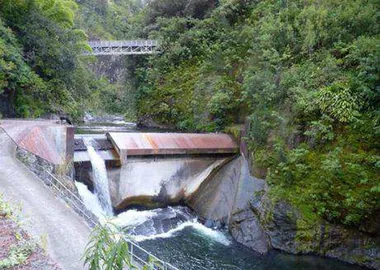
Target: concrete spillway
column 156, row 169
column 145, row 144
column 161, row 181
column 120, row 146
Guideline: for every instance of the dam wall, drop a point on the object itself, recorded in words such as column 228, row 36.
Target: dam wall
column 154, row 169
column 46, row 139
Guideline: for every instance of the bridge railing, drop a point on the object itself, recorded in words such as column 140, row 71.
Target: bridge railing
column 138, row 255
column 123, row 43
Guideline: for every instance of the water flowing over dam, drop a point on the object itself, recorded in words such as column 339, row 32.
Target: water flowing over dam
column 167, row 185
column 151, row 169
column 100, row 178
column 179, row 207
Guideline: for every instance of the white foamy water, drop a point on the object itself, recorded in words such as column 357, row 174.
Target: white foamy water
column 100, row 179
column 150, row 227
column 210, row 233
column 133, row 218
column 90, row 200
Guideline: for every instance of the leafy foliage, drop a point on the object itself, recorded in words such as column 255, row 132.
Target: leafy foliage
column 18, row 254
column 44, row 47
column 305, row 73
column 16, row 77
column 107, row 249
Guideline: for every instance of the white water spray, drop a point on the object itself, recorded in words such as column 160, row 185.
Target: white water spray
column 91, row 201
column 150, row 230
column 100, row 179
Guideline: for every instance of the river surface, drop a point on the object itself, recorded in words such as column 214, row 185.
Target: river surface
column 175, row 235
column 101, row 125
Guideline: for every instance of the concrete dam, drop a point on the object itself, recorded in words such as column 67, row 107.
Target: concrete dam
column 187, row 198
column 154, row 169
column 203, row 171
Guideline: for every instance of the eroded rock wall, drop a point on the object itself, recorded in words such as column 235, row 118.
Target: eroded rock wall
column 288, row 230
column 233, row 198
column 223, row 200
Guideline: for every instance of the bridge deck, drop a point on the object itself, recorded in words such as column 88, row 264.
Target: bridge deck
column 123, row 47
column 122, row 43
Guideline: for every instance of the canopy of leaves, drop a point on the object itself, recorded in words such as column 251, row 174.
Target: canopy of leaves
column 306, row 73
column 45, row 46
column 16, row 77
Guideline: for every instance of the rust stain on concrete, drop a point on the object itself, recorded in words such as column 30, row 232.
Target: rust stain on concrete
column 140, row 144
column 151, row 142
column 43, row 138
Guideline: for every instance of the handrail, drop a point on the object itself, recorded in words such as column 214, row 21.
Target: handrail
column 122, row 43
column 156, row 264
column 92, row 220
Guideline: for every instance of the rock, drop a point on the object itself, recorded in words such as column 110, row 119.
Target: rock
column 46, row 170
column 37, row 165
column 247, row 230
column 289, row 231
column 147, row 122
column 224, row 199
column 245, row 224
column 282, row 228
column 215, row 197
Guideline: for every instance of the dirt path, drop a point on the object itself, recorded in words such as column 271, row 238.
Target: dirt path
column 47, row 218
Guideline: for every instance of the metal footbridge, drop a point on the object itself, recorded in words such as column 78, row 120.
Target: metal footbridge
column 123, row 47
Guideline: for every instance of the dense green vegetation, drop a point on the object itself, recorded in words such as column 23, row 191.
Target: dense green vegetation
column 110, row 20
column 41, row 70
column 304, row 74
column 23, row 247
column 107, row 249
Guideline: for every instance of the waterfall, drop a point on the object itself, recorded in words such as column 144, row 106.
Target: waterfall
column 99, row 174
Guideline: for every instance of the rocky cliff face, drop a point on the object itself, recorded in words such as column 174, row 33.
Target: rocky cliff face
column 112, row 67
column 223, row 200
column 241, row 202
column 288, row 230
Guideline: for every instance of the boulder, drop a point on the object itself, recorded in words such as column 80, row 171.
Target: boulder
column 246, row 229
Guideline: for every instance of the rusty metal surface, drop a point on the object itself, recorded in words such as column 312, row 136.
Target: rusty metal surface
column 140, row 144
column 44, row 138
